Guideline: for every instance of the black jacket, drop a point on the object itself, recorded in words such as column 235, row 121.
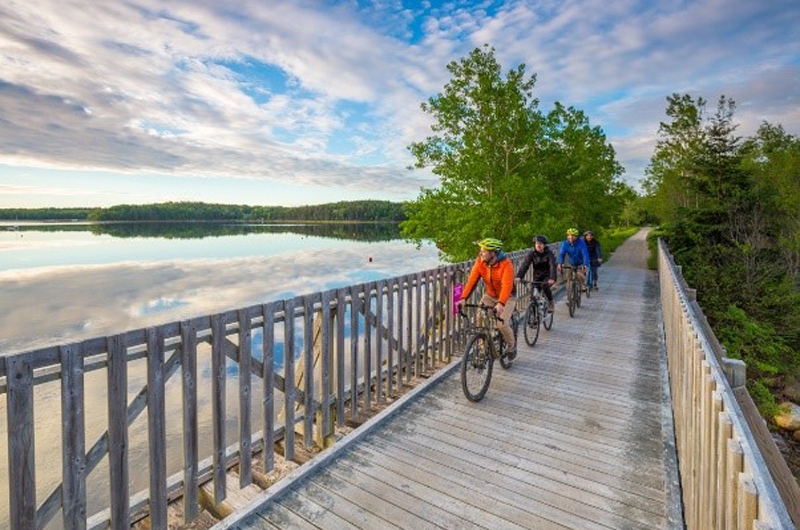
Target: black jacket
column 593, row 247
column 544, row 264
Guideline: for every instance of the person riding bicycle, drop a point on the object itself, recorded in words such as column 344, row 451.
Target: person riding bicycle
column 578, row 254
column 593, row 246
column 544, row 267
column 497, row 273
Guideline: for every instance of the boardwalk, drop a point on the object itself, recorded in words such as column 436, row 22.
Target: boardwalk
column 571, row 437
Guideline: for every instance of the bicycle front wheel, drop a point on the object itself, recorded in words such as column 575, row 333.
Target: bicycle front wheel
column 476, row 367
column 532, row 322
column 572, row 294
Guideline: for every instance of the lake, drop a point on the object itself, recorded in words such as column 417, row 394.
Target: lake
column 64, row 283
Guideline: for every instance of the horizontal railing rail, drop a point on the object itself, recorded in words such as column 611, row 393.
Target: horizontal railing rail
column 344, row 351
column 725, row 478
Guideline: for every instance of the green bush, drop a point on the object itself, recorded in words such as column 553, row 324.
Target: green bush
column 611, row 238
column 652, row 245
column 763, row 398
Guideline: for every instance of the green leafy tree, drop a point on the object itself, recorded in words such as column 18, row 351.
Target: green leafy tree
column 505, row 168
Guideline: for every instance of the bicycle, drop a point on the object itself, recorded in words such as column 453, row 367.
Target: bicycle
column 485, row 344
column 536, row 315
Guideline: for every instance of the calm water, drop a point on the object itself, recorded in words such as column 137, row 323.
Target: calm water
column 61, row 283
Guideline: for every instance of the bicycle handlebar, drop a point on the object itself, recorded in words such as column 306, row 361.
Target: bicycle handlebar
column 485, row 309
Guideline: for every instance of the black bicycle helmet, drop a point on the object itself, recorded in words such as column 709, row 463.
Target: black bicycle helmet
column 588, row 232
column 540, row 239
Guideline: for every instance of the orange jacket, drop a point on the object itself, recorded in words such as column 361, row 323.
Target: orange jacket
column 498, row 278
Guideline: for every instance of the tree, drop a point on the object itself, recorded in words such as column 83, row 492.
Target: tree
column 731, row 221
column 506, row 169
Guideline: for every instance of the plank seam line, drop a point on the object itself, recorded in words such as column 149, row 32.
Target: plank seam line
column 325, row 457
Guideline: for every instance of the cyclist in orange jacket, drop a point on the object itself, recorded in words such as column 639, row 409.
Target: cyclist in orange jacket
column 497, row 273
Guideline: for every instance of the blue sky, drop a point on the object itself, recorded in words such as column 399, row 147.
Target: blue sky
column 292, row 102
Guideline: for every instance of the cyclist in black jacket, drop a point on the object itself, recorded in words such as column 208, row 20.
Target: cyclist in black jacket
column 544, row 267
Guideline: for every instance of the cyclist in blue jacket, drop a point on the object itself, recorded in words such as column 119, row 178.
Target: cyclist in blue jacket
column 578, row 254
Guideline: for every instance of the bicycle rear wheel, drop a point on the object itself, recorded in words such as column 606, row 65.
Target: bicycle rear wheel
column 532, row 323
column 547, row 319
column 476, row 367
column 589, row 282
column 578, row 291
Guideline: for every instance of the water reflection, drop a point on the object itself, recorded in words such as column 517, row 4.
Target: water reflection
column 61, row 284
column 178, row 230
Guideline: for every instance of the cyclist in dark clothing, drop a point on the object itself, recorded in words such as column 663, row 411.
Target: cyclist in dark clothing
column 544, row 267
column 593, row 246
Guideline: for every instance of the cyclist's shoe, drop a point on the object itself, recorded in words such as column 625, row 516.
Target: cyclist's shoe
column 551, row 306
column 511, row 353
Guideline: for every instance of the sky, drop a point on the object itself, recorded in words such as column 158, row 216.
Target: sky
column 295, row 102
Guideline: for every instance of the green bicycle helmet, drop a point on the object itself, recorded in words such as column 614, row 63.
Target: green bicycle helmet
column 572, row 232
column 490, row 243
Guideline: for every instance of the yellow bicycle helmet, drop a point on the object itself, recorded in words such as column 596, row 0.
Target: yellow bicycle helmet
column 490, row 243
column 572, row 232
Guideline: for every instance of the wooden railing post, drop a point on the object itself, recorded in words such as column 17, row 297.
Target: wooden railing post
column 190, row 435
column 245, row 386
column 73, row 437
column 218, row 380
column 156, row 428
column 118, row 431
column 268, row 375
column 21, row 450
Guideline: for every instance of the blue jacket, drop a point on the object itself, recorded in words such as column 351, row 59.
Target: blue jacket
column 578, row 253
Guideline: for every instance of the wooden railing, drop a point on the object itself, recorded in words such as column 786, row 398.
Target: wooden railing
column 408, row 326
column 725, row 475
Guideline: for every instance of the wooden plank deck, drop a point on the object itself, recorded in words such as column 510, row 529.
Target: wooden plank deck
column 575, row 435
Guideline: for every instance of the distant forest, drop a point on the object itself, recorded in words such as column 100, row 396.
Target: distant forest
column 189, row 230
column 199, row 211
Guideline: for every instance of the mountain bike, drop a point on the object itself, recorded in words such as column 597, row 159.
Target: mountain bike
column 485, row 344
column 536, row 315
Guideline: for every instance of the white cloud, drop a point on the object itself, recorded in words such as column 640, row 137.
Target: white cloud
column 142, row 86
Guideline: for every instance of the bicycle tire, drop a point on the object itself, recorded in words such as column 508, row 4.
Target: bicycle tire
column 571, row 300
column 547, row 320
column 589, row 281
column 477, row 361
column 532, row 324
column 579, row 291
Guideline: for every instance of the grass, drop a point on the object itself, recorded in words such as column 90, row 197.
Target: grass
column 611, row 238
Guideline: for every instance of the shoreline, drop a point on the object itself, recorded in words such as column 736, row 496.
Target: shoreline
column 244, row 222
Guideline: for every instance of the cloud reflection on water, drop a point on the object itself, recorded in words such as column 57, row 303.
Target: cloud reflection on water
column 66, row 303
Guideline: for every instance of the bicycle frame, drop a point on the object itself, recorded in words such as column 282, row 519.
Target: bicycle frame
column 486, row 326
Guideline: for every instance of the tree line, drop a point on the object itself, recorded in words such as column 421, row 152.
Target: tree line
column 370, row 210
column 729, row 208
